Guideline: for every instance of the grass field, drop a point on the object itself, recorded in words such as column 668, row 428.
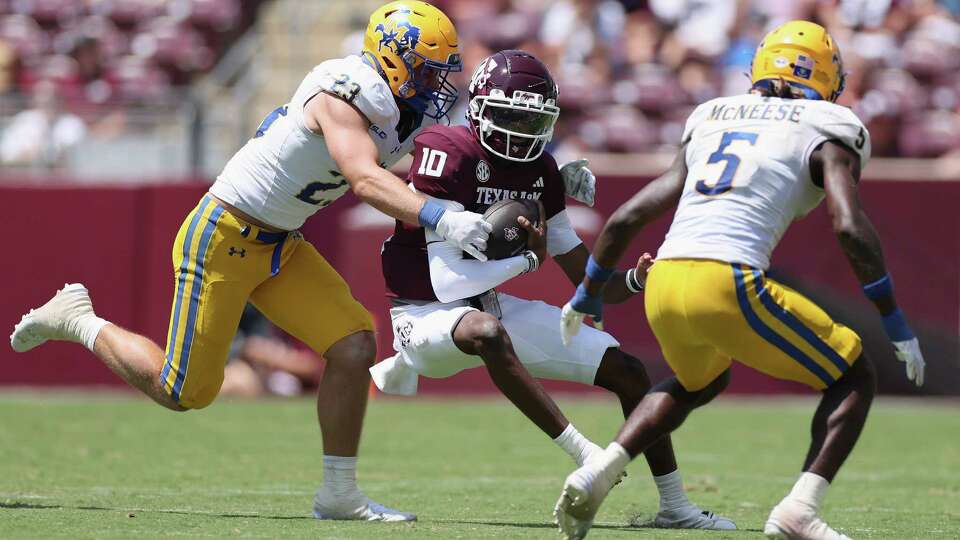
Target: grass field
column 81, row 466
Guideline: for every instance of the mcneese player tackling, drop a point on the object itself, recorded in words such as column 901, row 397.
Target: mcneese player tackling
column 350, row 118
column 749, row 165
column 447, row 314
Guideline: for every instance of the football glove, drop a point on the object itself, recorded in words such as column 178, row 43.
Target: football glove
column 573, row 311
column 905, row 344
column 466, row 230
column 909, row 352
column 579, row 182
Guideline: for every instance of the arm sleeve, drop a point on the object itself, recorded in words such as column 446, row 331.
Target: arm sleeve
column 561, row 236
column 838, row 123
column 455, row 278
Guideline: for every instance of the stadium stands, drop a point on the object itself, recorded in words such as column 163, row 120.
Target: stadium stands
column 105, row 50
column 630, row 71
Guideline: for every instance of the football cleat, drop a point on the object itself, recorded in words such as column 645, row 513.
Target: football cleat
column 796, row 520
column 58, row 319
column 593, row 452
column 691, row 517
column 583, row 492
column 355, row 507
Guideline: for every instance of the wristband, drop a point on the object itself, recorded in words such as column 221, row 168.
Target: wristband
column 430, row 214
column 881, row 288
column 533, row 262
column 596, row 272
column 896, row 326
column 633, row 284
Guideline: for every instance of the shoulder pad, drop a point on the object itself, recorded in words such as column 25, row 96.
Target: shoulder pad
column 696, row 117
column 357, row 83
column 836, row 122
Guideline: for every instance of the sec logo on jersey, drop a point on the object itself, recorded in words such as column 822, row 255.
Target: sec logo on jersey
column 483, row 171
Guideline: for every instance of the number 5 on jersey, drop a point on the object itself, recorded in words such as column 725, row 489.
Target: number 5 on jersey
column 732, row 161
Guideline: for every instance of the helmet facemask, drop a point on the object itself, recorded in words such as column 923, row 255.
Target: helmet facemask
column 515, row 128
column 427, row 84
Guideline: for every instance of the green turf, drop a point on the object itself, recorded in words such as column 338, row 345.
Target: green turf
column 78, row 466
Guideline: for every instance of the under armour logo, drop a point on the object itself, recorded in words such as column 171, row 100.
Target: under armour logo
column 241, row 252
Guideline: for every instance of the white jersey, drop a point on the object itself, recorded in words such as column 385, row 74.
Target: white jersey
column 284, row 174
column 748, row 174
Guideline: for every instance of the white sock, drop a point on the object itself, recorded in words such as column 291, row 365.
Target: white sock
column 671, row 491
column 810, row 489
column 340, row 474
column 614, row 459
column 574, row 444
column 88, row 328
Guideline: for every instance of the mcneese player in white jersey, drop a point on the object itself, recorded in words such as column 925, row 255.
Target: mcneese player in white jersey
column 349, row 119
column 749, row 166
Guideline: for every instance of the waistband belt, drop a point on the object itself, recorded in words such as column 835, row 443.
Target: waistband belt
column 268, row 237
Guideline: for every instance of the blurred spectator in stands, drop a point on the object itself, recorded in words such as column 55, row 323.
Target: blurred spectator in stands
column 583, row 39
column 498, row 24
column 261, row 363
column 8, row 69
column 700, row 29
column 42, row 135
column 87, row 51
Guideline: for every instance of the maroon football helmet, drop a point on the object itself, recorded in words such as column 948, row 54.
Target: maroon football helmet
column 513, row 105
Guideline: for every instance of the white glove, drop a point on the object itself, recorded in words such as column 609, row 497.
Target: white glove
column 570, row 320
column 909, row 352
column 579, row 181
column 466, row 230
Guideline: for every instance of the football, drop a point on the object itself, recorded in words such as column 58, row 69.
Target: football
column 508, row 238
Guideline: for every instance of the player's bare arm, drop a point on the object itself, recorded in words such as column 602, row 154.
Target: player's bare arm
column 574, row 261
column 350, row 145
column 345, row 130
column 648, row 204
column 838, row 168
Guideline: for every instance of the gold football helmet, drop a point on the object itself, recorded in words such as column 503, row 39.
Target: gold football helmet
column 804, row 56
column 414, row 46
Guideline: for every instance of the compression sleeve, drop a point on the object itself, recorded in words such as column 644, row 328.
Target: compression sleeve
column 455, row 278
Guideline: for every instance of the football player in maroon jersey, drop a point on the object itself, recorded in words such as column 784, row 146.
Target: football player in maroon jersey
column 447, row 317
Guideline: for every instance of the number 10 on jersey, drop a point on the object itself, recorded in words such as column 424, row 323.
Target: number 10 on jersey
column 725, row 182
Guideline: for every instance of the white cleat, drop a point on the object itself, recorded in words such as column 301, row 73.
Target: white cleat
column 796, row 520
column 691, row 517
column 593, row 452
column 55, row 320
column 354, row 507
column 583, row 492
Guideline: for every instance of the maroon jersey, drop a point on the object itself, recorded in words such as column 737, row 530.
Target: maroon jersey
column 449, row 163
